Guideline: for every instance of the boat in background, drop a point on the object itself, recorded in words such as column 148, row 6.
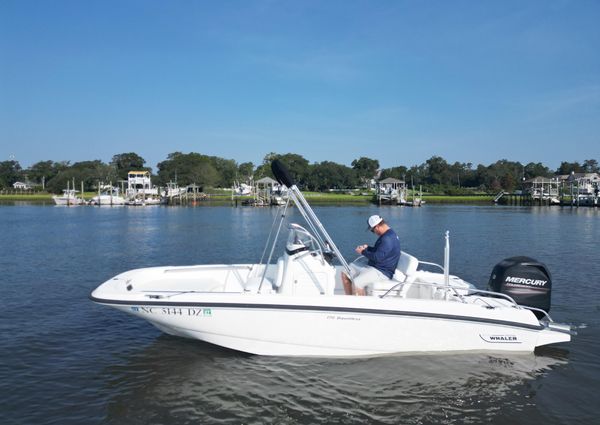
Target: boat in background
column 242, row 189
column 107, row 196
column 142, row 200
column 140, row 191
column 68, row 198
column 296, row 307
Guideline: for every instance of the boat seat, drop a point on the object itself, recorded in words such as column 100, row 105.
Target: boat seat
column 380, row 287
column 407, row 264
column 405, row 274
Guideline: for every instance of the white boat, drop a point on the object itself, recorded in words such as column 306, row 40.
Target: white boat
column 68, row 198
column 242, row 189
column 108, row 196
column 140, row 191
column 278, row 200
column 141, row 201
column 295, row 306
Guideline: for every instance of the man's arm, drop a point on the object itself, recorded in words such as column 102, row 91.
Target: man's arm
column 379, row 252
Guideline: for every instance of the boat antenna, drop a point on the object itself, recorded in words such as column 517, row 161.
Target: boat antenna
column 283, row 177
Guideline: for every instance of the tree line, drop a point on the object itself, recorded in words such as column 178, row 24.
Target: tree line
column 435, row 175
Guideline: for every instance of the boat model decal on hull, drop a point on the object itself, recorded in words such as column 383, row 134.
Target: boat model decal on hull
column 500, row 339
column 169, row 305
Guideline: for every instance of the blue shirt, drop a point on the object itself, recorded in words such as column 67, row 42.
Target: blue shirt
column 385, row 254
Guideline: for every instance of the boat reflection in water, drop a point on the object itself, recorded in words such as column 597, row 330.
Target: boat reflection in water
column 193, row 381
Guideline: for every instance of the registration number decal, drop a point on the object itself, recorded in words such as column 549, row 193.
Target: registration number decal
column 174, row 311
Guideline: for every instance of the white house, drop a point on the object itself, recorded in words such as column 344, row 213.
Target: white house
column 21, row 186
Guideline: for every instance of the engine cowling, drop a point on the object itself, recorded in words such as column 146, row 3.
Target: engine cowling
column 525, row 280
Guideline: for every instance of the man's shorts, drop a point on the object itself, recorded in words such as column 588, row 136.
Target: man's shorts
column 363, row 276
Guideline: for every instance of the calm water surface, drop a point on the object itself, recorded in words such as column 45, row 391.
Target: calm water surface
column 65, row 360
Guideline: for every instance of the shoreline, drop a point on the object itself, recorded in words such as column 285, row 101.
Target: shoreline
column 314, row 197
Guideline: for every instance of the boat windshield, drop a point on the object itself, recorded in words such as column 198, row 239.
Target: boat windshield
column 300, row 237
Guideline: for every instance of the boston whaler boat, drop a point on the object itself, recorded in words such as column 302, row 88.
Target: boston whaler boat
column 292, row 307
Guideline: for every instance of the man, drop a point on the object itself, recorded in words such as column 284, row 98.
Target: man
column 383, row 258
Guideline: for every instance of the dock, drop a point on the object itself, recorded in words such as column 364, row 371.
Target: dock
column 574, row 190
column 391, row 191
column 527, row 199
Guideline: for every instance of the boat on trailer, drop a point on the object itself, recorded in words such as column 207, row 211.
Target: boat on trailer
column 295, row 306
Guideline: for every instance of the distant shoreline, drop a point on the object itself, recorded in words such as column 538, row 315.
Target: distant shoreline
column 314, row 197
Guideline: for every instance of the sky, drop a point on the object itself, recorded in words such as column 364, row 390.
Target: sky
column 397, row 81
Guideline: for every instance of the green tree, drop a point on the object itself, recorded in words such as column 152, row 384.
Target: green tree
column 536, row 169
column 264, row 169
column 330, row 175
column 508, row 182
column 88, row 172
column 187, row 169
column 437, row 171
column 504, row 171
column 59, row 182
column 365, row 168
column 461, row 174
column 204, row 174
column 126, row 162
column 10, row 172
column 245, row 171
column 591, row 166
column 416, row 175
column 399, row 173
column 44, row 171
column 226, row 171
column 569, row 167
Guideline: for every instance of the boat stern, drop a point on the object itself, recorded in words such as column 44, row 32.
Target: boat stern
column 554, row 333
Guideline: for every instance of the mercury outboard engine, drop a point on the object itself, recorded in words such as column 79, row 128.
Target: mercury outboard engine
column 525, row 280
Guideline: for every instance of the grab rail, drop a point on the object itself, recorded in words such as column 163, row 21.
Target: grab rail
column 432, row 264
column 184, row 269
column 445, row 288
column 471, row 291
column 540, row 310
column 393, row 288
column 495, row 294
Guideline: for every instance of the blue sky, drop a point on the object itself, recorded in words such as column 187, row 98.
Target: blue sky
column 398, row 81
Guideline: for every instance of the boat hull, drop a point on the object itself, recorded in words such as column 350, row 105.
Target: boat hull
column 60, row 200
column 340, row 326
column 107, row 200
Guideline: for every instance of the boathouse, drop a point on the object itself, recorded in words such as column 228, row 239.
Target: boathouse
column 543, row 189
column 391, row 191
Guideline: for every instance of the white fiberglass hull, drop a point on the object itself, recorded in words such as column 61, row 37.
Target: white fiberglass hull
column 61, row 200
column 341, row 325
column 107, row 200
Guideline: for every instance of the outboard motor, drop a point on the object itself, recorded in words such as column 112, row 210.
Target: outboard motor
column 525, row 280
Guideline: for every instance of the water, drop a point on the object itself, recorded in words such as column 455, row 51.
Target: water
column 65, row 360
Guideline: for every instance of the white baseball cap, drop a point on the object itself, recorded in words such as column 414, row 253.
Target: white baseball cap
column 373, row 221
